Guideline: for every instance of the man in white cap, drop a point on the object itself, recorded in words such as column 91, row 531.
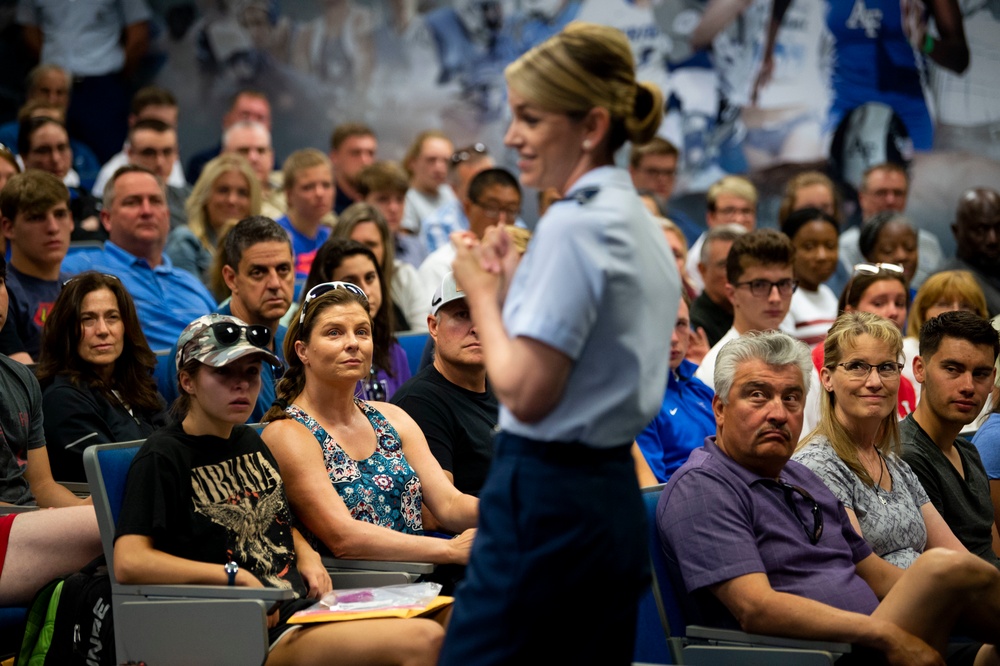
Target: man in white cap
column 450, row 399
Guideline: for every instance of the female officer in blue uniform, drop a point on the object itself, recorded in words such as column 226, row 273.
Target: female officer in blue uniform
column 577, row 357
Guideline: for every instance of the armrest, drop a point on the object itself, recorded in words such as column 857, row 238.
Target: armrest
column 80, row 489
column 378, row 565
column 206, row 592
column 734, row 637
column 17, row 508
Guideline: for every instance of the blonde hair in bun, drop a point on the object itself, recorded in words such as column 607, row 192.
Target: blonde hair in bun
column 589, row 65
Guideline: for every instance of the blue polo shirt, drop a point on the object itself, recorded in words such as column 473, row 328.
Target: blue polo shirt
column 684, row 421
column 166, row 299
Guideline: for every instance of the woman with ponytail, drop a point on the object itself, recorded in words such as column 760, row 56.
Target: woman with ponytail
column 577, row 355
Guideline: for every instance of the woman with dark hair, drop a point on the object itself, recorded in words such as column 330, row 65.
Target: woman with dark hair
column 889, row 237
column 357, row 472
column 205, row 504
column 410, row 304
column 343, row 260
column 43, row 143
column 96, row 373
column 814, row 305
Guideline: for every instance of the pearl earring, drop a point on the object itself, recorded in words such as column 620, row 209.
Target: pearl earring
column 586, row 144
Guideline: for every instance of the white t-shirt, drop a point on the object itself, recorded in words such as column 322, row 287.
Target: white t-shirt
column 811, row 314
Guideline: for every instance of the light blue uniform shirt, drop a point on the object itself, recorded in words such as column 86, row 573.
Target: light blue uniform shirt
column 167, row 299
column 599, row 284
column 84, row 38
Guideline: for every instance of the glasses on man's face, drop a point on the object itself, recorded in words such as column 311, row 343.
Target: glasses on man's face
column 466, row 154
column 814, row 531
column 326, row 287
column 152, row 153
column 860, row 370
column 762, row 288
column 493, row 210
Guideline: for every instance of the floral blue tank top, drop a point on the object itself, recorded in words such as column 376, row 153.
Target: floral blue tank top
column 382, row 489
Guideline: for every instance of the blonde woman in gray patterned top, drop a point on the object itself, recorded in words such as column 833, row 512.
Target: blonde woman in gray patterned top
column 856, row 449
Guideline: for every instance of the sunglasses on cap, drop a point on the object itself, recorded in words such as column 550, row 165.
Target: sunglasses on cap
column 465, row 154
column 327, row 287
column 227, row 334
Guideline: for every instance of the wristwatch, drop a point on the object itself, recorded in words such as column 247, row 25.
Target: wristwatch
column 231, row 569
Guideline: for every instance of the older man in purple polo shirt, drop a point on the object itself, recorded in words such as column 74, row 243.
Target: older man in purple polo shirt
column 760, row 543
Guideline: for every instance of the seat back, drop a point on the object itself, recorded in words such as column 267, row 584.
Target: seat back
column 652, row 645
column 413, row 344
column 107, row 468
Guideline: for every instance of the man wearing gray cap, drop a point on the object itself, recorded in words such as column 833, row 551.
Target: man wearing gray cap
column 450, row 399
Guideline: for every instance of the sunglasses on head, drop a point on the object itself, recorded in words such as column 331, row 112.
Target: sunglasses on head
column 327, row 287
column 465, row 154
column 875, row 269
column 77, row 277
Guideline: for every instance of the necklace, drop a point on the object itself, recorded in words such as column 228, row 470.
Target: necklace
column 878, row 484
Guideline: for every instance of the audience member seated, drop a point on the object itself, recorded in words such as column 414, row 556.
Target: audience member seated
column 384, row 185
column 955, row 367
column 885, row 188
column 152, row 144
column 814, row 305
column 25, row 475
column 8, row 166
column 946, row 291
column 308, row 182
column 136, row 219
column 685, row 418
column 653, row 168
column 679, row 247
column 774, row 552
column 879, row 289
column 812, row 189
column 712, row 311
column 39, row 546
column 47, row 93
column 352, row 148
column 409, row 297
column 34, row 213
column 426, row 162
column 96, row 373
column 204, row 494
column 252, row 140
column 730, row 200
column 226, row 191
column 494, row 197
column 465, row 164
column 258, row 269
column 759, row 284
column 987, row 442
column 44, row 144
column 890, row 238
column 977, row 241
column 357, row 473
column 856, row 449
column 450, row 399
column 149, row 103
column 344, row 260
column 245, row 105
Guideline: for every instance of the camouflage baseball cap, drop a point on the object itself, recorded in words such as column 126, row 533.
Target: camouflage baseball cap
column 218, row 340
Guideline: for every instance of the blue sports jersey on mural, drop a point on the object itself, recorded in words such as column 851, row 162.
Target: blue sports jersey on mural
column 874, row 62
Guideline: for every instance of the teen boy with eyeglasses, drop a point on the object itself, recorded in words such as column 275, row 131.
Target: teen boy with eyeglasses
column 494, row 197
column 760, row 543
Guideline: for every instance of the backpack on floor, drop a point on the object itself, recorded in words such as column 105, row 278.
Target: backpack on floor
column 69, row 621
